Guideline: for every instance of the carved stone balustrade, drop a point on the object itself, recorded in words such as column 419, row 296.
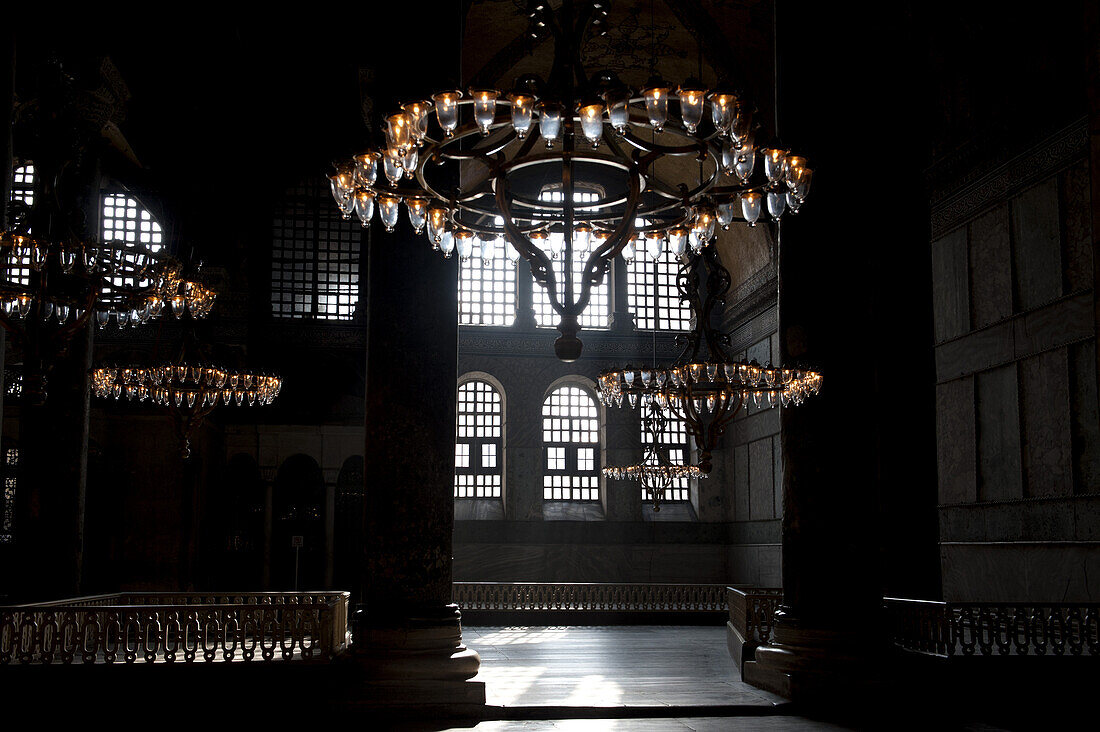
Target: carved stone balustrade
column 171, row 627
column 588, row 597
column 751, row 613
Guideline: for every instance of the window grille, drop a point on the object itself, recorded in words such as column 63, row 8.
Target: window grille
column 674, row 444
column 598, row 311
column 125, row 220
column 487, row 287
column 652, row 295
column 479, row 441
column 571, row 438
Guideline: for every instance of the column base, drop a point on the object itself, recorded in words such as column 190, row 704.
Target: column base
column 424, row 644
column 820, row 665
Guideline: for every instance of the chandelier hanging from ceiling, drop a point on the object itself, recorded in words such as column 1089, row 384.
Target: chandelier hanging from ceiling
column 515, row 167
column 705, row 387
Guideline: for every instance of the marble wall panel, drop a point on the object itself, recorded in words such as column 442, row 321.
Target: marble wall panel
column 950, row 291
column 1085, row 418
column 955, row 441
column 761, row 480
column 1031, row 572
column 1047, row 458
column 741, row 483
column 777, row 453
column 1037, row 247
column 1000, row 475
column 1077, row 218
column 990, row 268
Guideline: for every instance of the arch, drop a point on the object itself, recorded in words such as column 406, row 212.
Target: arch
column 241, row 522
column 348, row 526
column 573, row 439
column 298, row 510
column 480, row 439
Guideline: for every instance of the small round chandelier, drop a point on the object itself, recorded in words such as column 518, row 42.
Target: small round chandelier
column 190, row 392
column 705, row 387
column 656, row 473
column 577, row 165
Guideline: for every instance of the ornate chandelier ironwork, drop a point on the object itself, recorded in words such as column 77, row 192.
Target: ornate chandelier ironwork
column 190, row 392
column 705, row 387
column 573, row 133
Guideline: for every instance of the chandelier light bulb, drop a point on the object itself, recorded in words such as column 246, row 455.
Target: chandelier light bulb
column 418, row 118
column 592, row 122
column 654, row 245
column 364, row 206
column 488, row 247
column 511, row 252
column 793, row 203
column 408, row 162
column 398, row 132
column 777, row 205
column 550, row 122
column 485, row 108
column 599, row 238
column 773, row 163
column 389, row 207
column 746, row 160
column 750, row 206
column 741, row 123
column 691, row 106
column 724, row 214
column 721, row 111
column 618, row 111
column 366, row 168
column 447, row 242
column 391, row 166
column 523, row 106
column 340, row 182
column 582, row 238
column 677, row 242
column 418, row 212
column 464, row 243
column 629, row 252
column 446, row 110
column 437, row 223
column 656, row 106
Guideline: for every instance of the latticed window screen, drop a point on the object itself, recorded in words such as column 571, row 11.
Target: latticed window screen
column 652, row 295
column 479, row 441
column 487, row 292
column 571, row 440
column 314, row 257
column 598, row 311
column 7, row 504
column 676, row 446
column 22, row 189
column 125, row 220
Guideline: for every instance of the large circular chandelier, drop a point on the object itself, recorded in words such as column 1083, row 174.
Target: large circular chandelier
column 597, row 167
column 189, row 391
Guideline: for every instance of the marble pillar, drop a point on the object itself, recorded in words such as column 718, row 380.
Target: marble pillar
column 407, row 635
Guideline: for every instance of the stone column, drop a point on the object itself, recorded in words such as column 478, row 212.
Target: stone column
column 407, row 635
column 622, row 320
column 525, row 302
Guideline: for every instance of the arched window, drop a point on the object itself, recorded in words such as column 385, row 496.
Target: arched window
column 479, row 442
column 571, row 445
column 22, row 190
column 675, row 446
column 487, row 286
column 652, row 295
column 125, row 220
column 598, row 311
column 314, row 257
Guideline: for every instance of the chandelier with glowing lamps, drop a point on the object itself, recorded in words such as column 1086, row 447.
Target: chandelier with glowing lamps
column 664, row 166
column 705, row 387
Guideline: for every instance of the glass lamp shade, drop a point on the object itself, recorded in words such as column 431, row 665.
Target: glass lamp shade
column 629, row 249
column 746, row 160
column 691, row 107
column 523, row 106
column 539, row 239
column 364, row 206
column 418, row 212
column 464, row 243
column 550, row 122
column 592, row 122
column 721, row 111
column 437, row 223
column 777, row 204
column 447, row 242
column 341, row 184
column 488, row 248
column 656, row 106
column 793, row 203
column 511, row 252
column 485, row 108
column 677, row 241
column 582, row 238
column 446, row 110
column 750, row 206
column 704, row 222
column 418, row 117
column 398, row 132
column 723, row 213
column 346, row 205
column 366, row 168
column 388, row 209
column 740, row 123
column 773, row 163
column 391, row 166
column 654, row 245
column 618, row 111
column 599, row 238
column 408, row 162
column 797, row 175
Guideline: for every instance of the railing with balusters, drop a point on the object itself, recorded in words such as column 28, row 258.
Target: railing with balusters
column 168, row 627
column 588, row 597
column 752, row 610
column 954, row 629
